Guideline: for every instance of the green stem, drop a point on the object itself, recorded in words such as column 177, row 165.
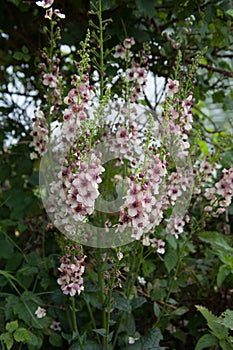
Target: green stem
column 101, row 51
column 92, row 320
column 102, row 296
column 75, row 323
column 129, row 286
column 173, row 278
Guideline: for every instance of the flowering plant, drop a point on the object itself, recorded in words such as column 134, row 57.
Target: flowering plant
column 120, row 183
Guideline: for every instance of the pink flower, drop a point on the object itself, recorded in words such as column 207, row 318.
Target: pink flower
column 128, row 42
column 50, row 80
column 173, row 87
column 71, row 280
column 120, row 52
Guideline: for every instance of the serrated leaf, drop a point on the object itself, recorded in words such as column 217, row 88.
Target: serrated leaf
column 219, row 330
column 227, row 319
column 206, row 341
column 22, row 335
column 12, row 326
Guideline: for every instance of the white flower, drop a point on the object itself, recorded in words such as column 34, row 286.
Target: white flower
column 141, row 280
column 119, row 255
column 59, row 14
column 45, row 3
column 40, row 312
column 132, row 340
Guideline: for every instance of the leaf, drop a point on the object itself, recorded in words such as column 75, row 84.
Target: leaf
column 180, row 311
column 6, row 248
column 230, row 12
column 146, row 8
column 100, row 331
column 12, row 326
column 170, row 259
column 8, row 340
column 156, row 309
column 138, row 302
column 226, row 344
column 227, row 319
column 22, row 335
column 55, row 340
column 149, row 342
column 219, row 330
column 206, row 341
column 36, row 340
column 121, row 303
column 223, row 272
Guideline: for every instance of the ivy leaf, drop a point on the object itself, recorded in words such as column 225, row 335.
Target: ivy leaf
column 12, row 326
column 8, row 340
column 22, row 335
column 206, row 341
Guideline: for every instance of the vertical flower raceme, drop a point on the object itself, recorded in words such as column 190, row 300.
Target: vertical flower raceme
column 71, row 272
column 39, row 134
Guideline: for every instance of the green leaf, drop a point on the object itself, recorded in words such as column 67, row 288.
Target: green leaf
column 227, row 319
column 36, row 340
column 6, row 248
column 8, row 340
column 146, row 8
column 223, row 272
column 22, row 335
column 121, row 303
column 156, row 309
column 170, row 259
column 180, row 311
column 55, row 340
column 226, row 344
column 218, row 330
column 12, row 326
column 204, row 148
column 138, row 302
column 18, row 55
column 206, row 341
column 100, row 331
column 230, row 12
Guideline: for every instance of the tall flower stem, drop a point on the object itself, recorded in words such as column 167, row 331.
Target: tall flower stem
column 130, row 282
column 76, row 331
column 101, row 42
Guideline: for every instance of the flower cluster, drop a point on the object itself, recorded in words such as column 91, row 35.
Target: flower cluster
column 71, row 269
column 121, row 50
column 142, row 209
column 220, row 195
column 73, row 196
column 39, row 134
